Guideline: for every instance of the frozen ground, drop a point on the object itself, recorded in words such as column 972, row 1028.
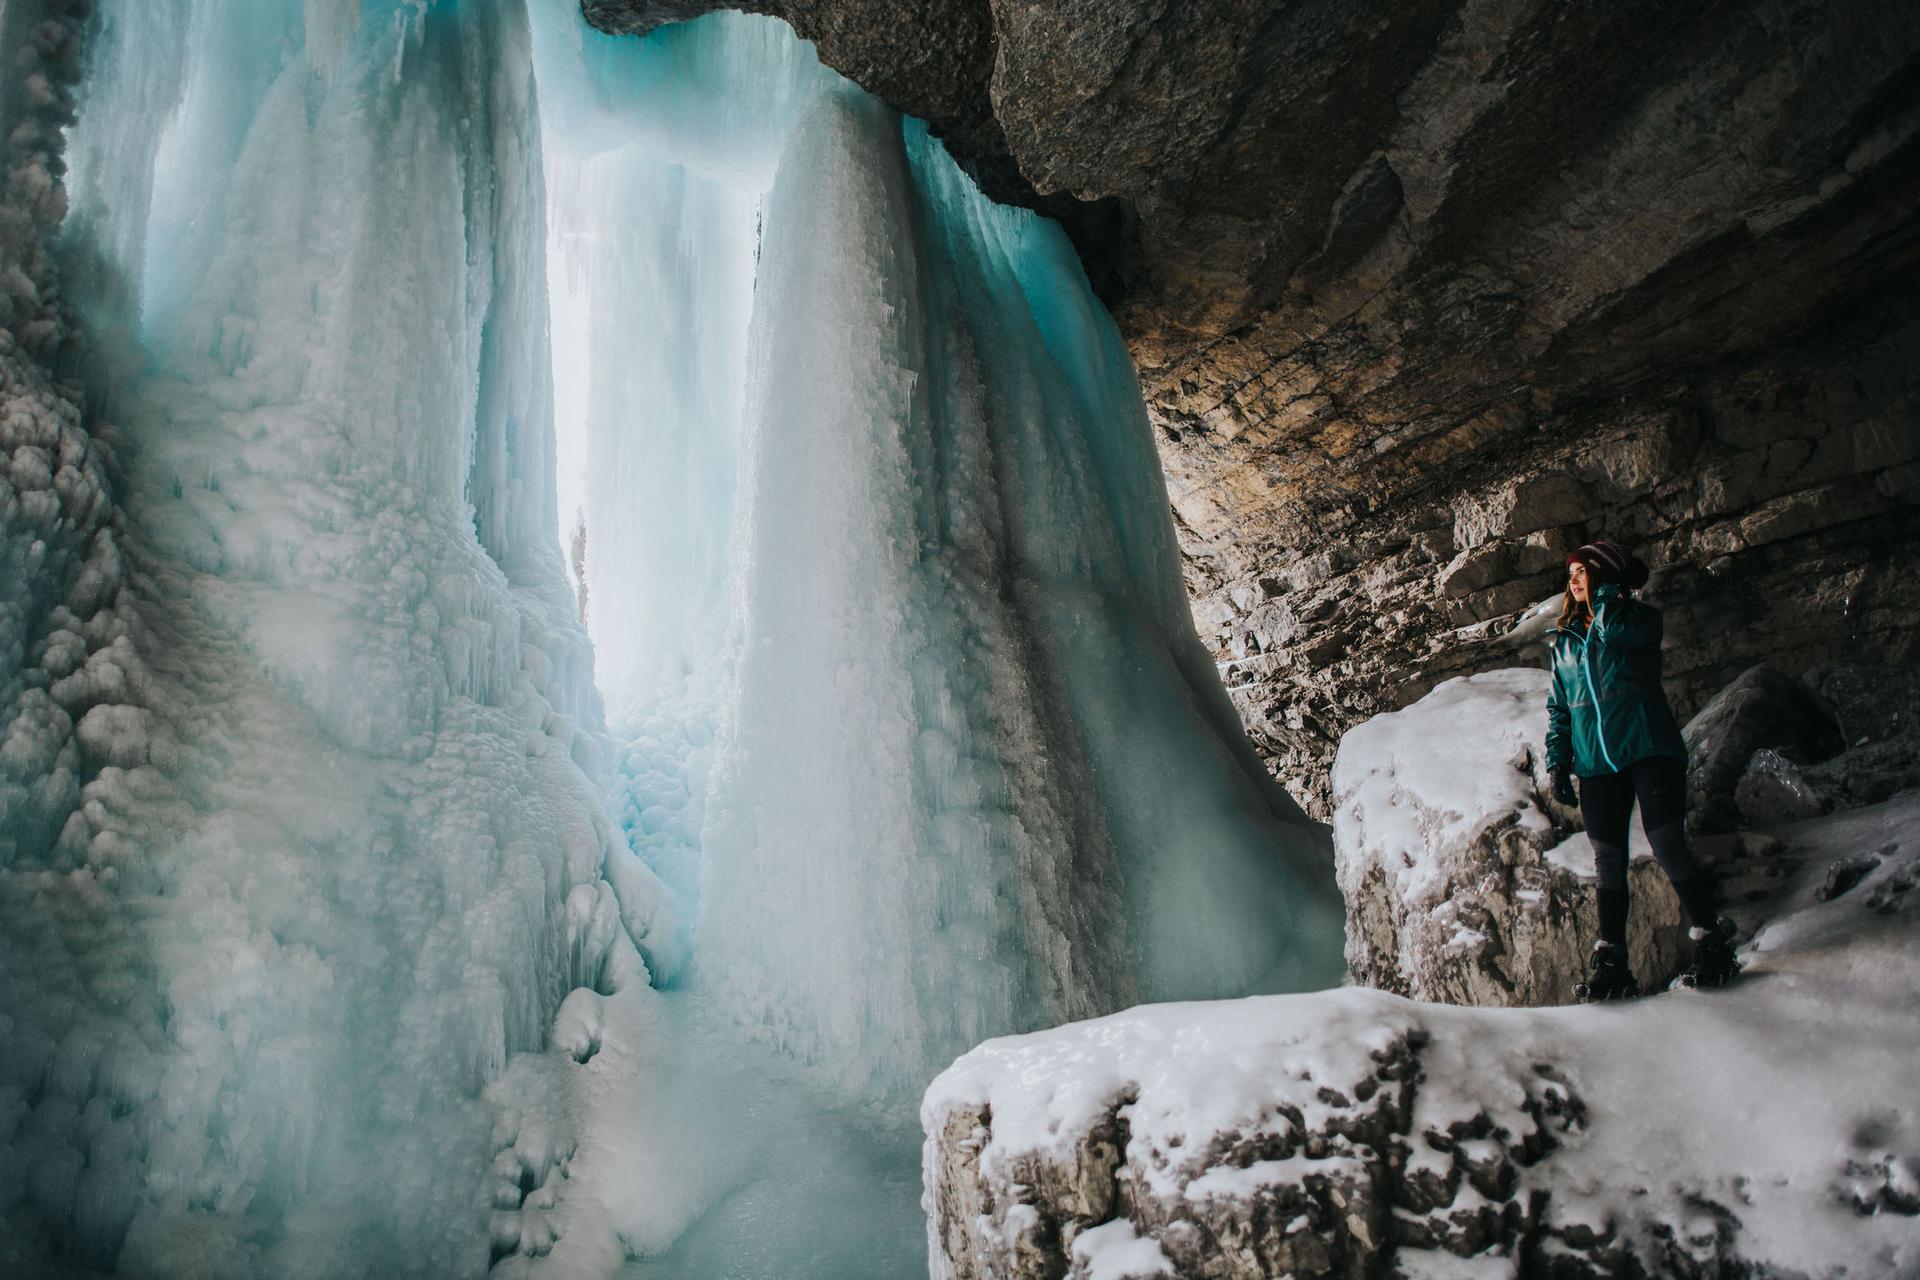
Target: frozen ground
column 1770, row 1124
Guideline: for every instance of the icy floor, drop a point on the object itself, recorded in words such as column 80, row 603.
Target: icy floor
column 654, row 1139
column 803, row 1189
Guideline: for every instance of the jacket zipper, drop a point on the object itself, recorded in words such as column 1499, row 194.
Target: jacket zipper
column 1599, row 733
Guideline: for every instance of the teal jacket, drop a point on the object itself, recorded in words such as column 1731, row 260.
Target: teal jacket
column 1606, row 709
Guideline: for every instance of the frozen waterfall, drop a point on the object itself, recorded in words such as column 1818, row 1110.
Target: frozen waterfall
column 341, row 931
column 972, row 770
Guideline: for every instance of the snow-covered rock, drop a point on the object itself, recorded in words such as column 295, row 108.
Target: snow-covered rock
column 1465, row 881
column 1758, row 1131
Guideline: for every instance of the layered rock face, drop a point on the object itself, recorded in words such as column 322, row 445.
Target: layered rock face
column 1423, row 297
column 1775, row 534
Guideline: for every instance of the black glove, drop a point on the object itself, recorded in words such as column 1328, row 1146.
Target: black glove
column 1563, row 787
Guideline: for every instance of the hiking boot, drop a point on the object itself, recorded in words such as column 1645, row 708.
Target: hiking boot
column 1713, row 964
column 1611, row 979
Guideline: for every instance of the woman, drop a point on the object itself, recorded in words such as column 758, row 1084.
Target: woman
column 1609, row 724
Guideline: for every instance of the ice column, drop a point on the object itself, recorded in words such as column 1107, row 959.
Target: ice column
column 319, row 836
column 975, row 774
column 658, row 154
column 971, row 771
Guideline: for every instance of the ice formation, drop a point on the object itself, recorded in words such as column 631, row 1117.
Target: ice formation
column 876, row 431
column 301, row 771
column 334, row 919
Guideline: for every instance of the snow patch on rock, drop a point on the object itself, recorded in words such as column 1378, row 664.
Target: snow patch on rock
column 1465, row 881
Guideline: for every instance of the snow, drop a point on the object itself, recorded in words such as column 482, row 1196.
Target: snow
column 1408, row 784
column 1434, row 1264
column 1112, row 1251
column 1575, row 853
column 1785, row 1098
column 1237, row 1182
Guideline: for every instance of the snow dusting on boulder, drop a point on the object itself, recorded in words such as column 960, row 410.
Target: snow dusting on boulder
column 1465, row 882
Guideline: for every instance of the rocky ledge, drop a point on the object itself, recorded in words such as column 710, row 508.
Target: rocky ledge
column 1760, row 1131
column 1465, row 882
column 1424, row 295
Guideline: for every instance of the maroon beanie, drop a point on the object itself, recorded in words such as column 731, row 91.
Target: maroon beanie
column 1608, row 561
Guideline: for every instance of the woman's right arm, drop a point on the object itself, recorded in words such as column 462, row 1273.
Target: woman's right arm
column 1559, row 725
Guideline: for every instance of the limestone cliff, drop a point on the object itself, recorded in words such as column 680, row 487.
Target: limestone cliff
column 1423, row 296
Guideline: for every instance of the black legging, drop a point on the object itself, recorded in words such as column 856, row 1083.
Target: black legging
column 1606, row 802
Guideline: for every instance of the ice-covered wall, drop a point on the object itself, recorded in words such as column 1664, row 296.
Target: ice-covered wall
column 961, row 731
column 305, row 826
column 63, row 611
column 323, row 949
column 658, row 154
column 969, row 769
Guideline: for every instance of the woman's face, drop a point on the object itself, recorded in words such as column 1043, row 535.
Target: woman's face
column 1577, row 581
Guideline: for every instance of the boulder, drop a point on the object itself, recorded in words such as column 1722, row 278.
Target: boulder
column 1878, row 711
column 1285, row 1136
column 1763, row 708
column 1869, row 702
column 1773, row 792
column 1464, row 881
